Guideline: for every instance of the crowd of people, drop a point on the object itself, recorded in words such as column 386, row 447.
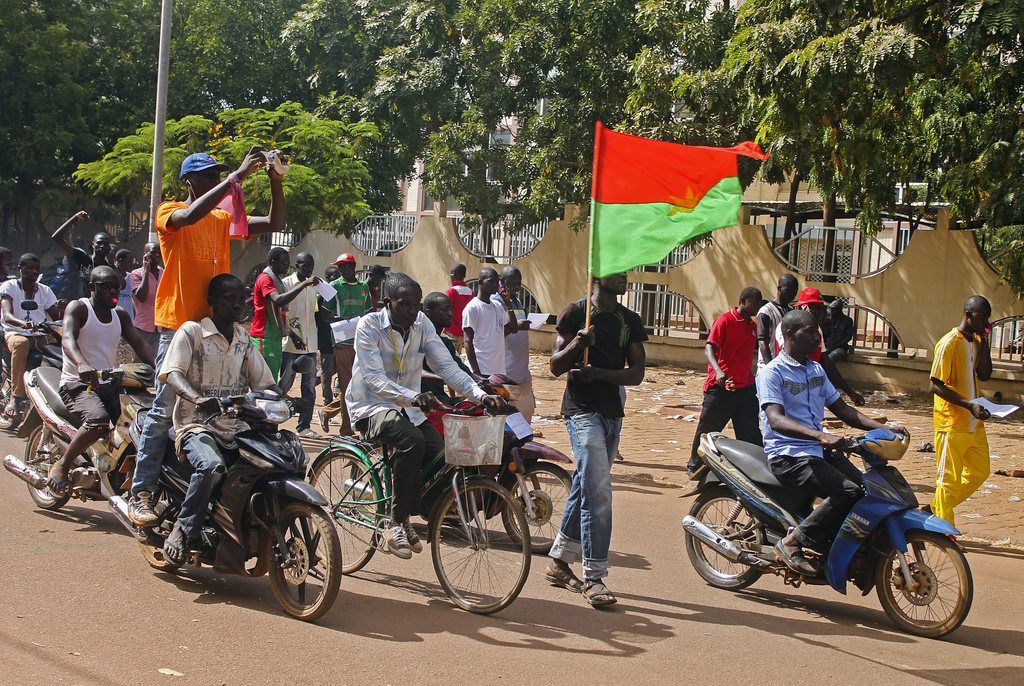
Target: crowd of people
column 771, row 368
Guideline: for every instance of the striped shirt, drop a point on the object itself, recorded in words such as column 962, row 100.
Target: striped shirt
column 954, row 365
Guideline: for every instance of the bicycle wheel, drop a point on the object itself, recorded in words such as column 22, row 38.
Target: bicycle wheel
column 480, row 567
column 355, row 503
column 549, row 487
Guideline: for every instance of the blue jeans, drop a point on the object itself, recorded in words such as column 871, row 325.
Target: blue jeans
column 587, row 523
column 305, row 365
column 204, row 455
column 153, row 442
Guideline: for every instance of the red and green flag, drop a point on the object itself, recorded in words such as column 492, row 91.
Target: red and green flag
column 649, row 196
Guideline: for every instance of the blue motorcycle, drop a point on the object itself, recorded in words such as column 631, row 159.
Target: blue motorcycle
column 909, row 557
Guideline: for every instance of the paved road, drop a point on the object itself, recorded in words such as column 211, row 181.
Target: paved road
column 78, row 605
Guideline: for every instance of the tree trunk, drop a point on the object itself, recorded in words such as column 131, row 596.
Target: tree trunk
column 790, row 228
column 828, row 219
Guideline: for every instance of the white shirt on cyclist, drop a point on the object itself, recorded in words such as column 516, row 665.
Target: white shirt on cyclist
column 388, row 367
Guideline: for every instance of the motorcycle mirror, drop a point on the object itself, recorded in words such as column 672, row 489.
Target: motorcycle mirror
column 29, row 305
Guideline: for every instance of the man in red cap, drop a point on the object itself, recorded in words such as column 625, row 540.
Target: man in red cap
column 352, row 300
column 810, row 300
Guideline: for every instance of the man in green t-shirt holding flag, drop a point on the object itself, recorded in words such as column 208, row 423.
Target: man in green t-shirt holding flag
column 352, row 300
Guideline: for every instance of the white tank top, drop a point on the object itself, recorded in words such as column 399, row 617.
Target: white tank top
column 97, row 341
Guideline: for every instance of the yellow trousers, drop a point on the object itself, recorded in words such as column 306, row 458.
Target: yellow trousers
column 963, row 466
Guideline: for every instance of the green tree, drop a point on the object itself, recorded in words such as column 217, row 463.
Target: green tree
column 325, row 186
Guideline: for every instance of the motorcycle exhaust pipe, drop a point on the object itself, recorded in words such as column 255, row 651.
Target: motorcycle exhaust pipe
column 722, row 546
column 119, row 506
column 24, row 472
column 708, row 537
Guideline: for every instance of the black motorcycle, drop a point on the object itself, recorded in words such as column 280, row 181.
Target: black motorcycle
column 47, row 355
column 264, row 518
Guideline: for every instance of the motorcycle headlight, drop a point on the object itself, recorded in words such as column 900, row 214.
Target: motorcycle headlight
column 276, row 411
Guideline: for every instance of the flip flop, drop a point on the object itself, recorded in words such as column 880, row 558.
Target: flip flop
column 59, row 488
column 597, row 594
column 564, row 579
column 176, row 546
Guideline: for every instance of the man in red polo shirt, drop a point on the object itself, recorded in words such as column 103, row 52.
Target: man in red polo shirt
column 729, row 391
column 460, row 294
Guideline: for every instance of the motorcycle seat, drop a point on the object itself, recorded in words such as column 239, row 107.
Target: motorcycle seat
column 48, row 381
column 749, row 459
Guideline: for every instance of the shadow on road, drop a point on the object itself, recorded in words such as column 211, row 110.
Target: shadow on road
column 980, row 548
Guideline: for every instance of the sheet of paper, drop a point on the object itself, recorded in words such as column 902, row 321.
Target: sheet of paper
column 518, row 424
column 326, row 290
column 996, row 410
column 537, row 319
column 344, row 330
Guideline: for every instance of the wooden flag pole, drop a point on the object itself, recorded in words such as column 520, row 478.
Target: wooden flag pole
column 590, row 305
column 598, row 132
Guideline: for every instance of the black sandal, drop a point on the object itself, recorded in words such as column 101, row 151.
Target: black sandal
column 597, row 594
column 176, row 546
column 563, row 578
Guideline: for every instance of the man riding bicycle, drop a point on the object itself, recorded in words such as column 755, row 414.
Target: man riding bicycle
column 385, row 401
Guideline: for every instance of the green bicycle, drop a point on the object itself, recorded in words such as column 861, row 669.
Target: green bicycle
column 480, row 565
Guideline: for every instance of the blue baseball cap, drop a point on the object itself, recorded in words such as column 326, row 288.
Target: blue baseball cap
column 200, row 161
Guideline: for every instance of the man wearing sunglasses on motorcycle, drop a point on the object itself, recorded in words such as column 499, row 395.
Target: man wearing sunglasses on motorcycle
column 385, row 401
column 793, row 391
column 93, row 327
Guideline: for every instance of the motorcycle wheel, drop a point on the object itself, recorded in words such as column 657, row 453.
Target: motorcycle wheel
column 357, row 508
column 946, row 588
column 40, row 456
column 549, row 490
column 714, row 508
column 312, row 541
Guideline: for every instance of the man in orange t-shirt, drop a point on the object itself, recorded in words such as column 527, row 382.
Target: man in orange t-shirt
column 196, row 247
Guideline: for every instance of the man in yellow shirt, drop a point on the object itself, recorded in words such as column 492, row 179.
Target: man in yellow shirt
column 962, row 357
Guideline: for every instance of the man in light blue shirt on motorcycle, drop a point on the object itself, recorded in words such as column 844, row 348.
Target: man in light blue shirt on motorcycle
column 793, row 392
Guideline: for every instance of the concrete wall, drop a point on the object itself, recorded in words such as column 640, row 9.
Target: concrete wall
column 921, row 294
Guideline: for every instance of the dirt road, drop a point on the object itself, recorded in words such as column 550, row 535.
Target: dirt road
column 78, row 605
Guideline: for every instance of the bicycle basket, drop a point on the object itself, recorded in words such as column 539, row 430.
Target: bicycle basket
column 473, row 441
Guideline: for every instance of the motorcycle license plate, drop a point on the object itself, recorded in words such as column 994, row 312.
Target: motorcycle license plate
column 518, row 425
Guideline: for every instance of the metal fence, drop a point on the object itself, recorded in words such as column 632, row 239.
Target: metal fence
column 874, row 335
column 836, row 254
column 381, row 235
column 495, row 243
column 1006, row 340
column 665, row 313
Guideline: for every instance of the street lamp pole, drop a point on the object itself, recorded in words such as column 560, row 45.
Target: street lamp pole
column 163, row 67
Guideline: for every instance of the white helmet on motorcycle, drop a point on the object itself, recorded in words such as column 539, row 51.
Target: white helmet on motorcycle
column 885, row 443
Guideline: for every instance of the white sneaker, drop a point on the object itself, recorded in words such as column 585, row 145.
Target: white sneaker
column 308, row 433
column 414, row 539
column 398, row 542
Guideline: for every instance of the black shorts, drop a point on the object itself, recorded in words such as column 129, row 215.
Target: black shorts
column 97, row 409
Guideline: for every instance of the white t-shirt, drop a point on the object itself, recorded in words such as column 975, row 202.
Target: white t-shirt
column 301, row 317
column 43, row 297
column 517, row 345
column 487, row 319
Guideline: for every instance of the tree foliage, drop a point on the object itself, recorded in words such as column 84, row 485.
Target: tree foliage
column 325, row 186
